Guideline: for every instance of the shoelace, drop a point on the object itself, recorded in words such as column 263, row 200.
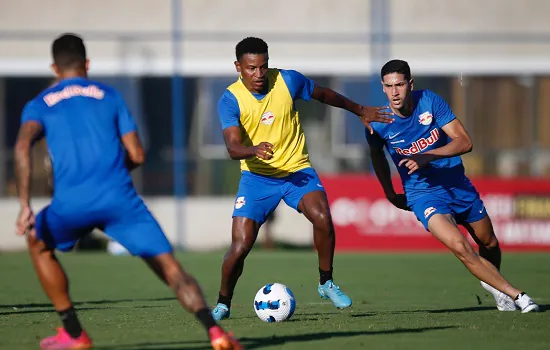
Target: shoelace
column 338, row 291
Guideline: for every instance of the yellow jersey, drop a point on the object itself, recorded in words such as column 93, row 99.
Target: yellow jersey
column 274, row 119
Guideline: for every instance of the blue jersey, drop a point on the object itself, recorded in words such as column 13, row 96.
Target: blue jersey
column 298, row 85
column 83, row 122
column 418, row 133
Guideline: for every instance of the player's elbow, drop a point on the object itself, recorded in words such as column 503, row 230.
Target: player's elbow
column 138, row 158
column 21, row 147
column 468, row 146
column 234, row 155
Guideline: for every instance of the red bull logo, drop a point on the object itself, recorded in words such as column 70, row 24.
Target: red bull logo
column 267, row 118
column 419, row 145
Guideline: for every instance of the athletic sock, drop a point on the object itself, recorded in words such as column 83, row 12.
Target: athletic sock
column 324, row 276
column 71, row 322
column 205, row 317
column 222, row 299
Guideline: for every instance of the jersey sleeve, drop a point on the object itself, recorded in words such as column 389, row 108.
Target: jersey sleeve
column 125, row 120
column 31, row 112
column 228, row 110
column 442, row 111
column 300, row 87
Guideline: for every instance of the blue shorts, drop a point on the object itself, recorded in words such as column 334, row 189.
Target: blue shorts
column 259, row 195
column 131, row 225
column 463, row 203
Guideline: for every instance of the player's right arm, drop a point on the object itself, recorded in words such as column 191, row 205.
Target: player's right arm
column 383, row 172
column 228, row 111
column 127, row 129
column 31, row 130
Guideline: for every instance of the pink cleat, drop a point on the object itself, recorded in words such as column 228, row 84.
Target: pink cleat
column 62, row 340
column 223, row 341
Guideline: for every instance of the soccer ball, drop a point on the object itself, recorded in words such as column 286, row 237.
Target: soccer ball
column 274, row 302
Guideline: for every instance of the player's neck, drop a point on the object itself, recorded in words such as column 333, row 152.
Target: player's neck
column 73, row 73
column 405, row 111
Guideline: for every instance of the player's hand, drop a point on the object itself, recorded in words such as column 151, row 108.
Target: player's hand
column 399, row 200
column 264, row 150
column 375, row 114
column 415, row 162
column 25, row 222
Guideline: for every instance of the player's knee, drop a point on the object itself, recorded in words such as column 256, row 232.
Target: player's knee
column 491, row 242
column 322, row 221
column 176, row 277
column 241, row 248
column 463, row 251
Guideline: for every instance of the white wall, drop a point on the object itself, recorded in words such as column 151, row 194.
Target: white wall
column 206, row 222
column 309, row 35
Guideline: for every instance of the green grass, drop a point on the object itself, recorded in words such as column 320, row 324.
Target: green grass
column 401, row 301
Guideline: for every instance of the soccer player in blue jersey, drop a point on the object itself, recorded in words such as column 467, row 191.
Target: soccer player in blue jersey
column 425, row 142
column 261, row 128
column 93, row 144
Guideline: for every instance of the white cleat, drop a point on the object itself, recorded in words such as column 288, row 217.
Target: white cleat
column 504, row 302
column 526, row 304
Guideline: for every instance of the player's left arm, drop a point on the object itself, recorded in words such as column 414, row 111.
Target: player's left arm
column 460, row 144
column 450, row 125
column 304, row 88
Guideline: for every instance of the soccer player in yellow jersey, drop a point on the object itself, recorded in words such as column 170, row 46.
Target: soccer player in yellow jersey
column 261, row 128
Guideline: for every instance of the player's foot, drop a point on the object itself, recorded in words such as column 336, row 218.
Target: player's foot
column 331, row 291
column 62, row 340
column 526, row 304
column 221, row 312
column 504, row 302
column 223, row 341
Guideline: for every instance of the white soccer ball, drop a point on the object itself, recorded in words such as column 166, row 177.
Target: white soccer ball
column 274, row 302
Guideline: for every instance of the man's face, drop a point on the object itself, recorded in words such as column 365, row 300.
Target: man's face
column 253, row 69
column 397, row 88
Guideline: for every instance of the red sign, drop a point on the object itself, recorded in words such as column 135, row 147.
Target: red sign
column 365, row 220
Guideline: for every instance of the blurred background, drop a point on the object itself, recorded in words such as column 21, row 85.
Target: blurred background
column 172, row 60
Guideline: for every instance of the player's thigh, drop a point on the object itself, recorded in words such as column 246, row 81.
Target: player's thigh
column 59, row 231
column 139, row 232
column 482, row 232
column 257, row 197
column 426, row 207
column 304, row 192
column 444, row 228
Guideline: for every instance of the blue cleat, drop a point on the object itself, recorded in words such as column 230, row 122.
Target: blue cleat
column 220, row 312
column 331, row 291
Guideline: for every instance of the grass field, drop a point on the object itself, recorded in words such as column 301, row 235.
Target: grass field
column 401, row 301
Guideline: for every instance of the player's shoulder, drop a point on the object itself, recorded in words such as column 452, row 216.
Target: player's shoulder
column 426, row 95
column 227, row 97
column 291, row 74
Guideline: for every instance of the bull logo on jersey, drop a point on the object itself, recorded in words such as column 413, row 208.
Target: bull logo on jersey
column 267, row 118
column 425, row 118
column 429, row 211
column 240, row 202
column 419, row 145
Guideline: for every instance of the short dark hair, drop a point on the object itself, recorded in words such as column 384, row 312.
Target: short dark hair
column 396, row 66
column 69, row 52
column 250, row 45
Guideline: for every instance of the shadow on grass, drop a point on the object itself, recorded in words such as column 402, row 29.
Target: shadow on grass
column 90, row 302
column 264, row 342
column 50, row 309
